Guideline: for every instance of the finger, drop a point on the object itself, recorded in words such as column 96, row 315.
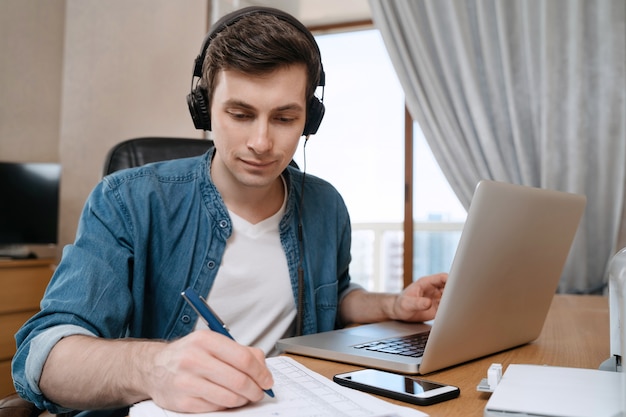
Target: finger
column 413, row 304
column 251, row 362
column 266, row 381
column 205, row 359
column 200, row 396
column 442, row 279
column 233, row 380
column 243, row 365
column 435, row 280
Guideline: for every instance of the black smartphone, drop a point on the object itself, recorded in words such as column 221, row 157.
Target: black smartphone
column 396, row 386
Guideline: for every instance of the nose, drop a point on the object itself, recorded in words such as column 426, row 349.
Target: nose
column 260, row 141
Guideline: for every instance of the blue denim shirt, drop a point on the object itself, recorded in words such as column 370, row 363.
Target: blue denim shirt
column 146, row 234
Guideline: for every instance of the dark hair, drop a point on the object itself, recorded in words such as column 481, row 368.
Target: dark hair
column 258, row 44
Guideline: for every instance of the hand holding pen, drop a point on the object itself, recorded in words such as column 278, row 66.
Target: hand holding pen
column 211, row 319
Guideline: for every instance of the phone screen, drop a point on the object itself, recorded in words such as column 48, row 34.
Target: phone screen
column 397, row 386
column 392, row 382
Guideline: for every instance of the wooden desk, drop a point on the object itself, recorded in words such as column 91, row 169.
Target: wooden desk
column 575, row 334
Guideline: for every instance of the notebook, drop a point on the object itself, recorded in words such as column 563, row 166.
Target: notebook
column 505, row 272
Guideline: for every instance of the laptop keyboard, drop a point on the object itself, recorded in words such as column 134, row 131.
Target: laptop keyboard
column 411, row 345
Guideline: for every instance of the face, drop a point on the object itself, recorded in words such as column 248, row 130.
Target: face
column 256, row 124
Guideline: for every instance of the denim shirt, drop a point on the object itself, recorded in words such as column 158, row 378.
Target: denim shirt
column 147, row 233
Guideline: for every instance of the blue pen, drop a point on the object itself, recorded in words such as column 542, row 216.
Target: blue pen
column 212, row 320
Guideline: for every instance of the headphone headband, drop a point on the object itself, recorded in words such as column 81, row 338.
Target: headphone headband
column 197, row 99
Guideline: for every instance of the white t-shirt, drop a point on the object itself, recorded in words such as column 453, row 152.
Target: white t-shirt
column 252, row 292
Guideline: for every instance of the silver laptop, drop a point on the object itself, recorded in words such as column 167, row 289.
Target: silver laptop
column 506, row 270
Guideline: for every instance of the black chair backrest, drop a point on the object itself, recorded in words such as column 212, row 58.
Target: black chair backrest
column 136, row 152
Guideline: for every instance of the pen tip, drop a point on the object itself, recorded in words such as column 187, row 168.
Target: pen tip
column 269, row 392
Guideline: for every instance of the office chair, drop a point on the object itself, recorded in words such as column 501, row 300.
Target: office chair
column 15, row 406
column 140, row 151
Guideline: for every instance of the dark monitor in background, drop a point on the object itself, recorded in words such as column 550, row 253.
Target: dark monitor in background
column 29, row 206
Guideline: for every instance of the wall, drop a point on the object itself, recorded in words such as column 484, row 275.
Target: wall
column 87, row 74
column 127, row 72
column 31, row 46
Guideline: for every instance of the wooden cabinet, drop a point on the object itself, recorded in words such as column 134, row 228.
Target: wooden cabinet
column 22, row 284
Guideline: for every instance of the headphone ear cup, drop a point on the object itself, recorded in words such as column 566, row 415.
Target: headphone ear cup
column 199, row 108
column 315, row 114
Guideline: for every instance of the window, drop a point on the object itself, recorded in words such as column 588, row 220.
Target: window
column 359, row 148
column 438, row 216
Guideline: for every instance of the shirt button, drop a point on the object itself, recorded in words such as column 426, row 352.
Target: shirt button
column 223, row 224
column 211, row 264
column 185, row 319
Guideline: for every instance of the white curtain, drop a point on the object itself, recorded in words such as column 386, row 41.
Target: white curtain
column 525, row 91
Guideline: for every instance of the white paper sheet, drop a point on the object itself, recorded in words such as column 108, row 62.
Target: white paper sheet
column 299, row 392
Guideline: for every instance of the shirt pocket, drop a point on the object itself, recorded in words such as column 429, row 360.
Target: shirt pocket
column 326, row 305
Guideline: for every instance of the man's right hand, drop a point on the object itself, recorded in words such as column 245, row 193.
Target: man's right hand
column 206, row 371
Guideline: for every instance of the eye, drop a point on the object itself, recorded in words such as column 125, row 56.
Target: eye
column 286, row 117
column 239, row 115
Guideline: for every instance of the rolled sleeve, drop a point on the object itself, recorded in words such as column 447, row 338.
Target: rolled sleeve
column 40, row 347
column 353, row 286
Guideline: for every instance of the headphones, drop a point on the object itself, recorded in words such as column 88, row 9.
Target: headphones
column 198, row 100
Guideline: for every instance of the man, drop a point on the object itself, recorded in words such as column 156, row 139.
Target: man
column 267, row 246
